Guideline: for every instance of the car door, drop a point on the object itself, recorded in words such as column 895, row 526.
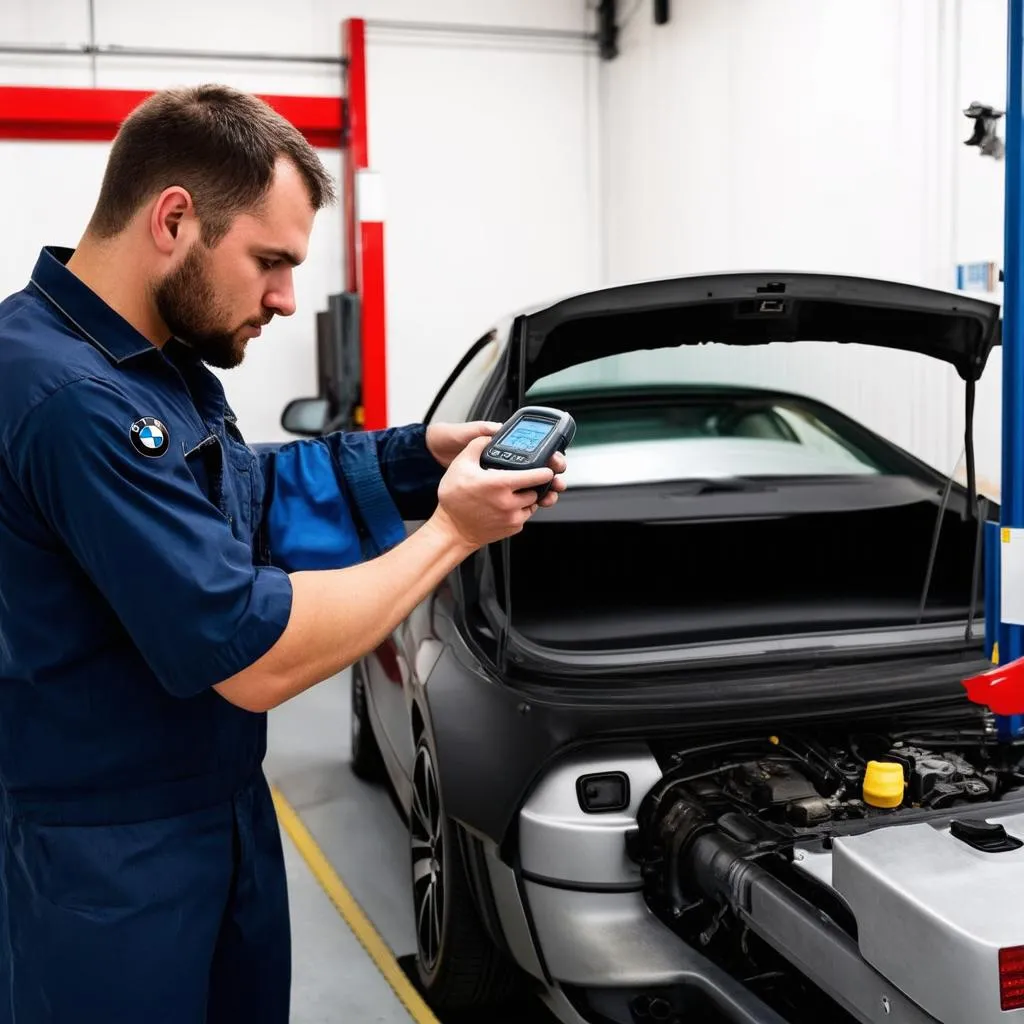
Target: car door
column 405, row 658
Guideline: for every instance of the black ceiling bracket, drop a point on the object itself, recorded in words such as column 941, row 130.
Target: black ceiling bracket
column 607, row 30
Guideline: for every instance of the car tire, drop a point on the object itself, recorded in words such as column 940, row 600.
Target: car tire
column 458, row 967
column 367, row 762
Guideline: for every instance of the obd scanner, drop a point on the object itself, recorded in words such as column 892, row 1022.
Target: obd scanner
column 528, row 439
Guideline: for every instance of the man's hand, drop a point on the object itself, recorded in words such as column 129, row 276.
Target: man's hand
column 446, row 440
column 480, row 506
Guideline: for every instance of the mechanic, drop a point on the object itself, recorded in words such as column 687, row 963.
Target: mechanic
column 162, row 585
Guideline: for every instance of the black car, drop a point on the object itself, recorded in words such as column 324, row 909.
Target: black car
column 695, row 745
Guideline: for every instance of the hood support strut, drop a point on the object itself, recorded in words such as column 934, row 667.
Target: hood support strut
column 972, row 484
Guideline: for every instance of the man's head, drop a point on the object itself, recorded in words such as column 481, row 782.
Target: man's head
column 215, row 194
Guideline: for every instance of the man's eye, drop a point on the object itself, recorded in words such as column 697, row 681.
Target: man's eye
column 267, row 264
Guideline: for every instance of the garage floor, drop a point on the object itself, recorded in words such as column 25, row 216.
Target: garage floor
column 358, row 833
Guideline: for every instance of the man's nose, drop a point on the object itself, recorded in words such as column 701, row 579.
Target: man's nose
column 281, row 299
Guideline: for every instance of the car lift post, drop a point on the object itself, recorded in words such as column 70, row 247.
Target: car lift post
column 1011, row 635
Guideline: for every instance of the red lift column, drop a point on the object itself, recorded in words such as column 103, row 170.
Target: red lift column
column 364, row 230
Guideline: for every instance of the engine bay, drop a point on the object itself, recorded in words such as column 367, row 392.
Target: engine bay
column 733, row 821
column 804, row 785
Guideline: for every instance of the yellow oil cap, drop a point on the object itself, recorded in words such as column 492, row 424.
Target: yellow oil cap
column 883, row 784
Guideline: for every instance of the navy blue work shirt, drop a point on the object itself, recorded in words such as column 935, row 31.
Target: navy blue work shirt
column 144, row 556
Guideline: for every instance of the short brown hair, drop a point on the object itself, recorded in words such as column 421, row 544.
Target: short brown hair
column 219, row 144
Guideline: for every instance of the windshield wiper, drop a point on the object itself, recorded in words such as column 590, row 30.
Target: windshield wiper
column 760, row 484
column 722, row 485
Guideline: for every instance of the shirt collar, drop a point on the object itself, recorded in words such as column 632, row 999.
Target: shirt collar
column 94, row 320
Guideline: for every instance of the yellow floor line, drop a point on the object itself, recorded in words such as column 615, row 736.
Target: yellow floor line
column 352, row 913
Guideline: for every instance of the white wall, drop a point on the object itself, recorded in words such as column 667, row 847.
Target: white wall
column 485, row 144
column 810, row 136
column 741, row 135
column 488, row 152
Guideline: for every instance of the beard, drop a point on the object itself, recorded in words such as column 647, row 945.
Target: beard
column 186, row 301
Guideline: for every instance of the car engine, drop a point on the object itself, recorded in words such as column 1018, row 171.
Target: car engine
column 777, row 858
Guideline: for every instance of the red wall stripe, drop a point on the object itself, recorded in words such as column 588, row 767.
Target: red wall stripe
column 28, row 112
column 364, row 242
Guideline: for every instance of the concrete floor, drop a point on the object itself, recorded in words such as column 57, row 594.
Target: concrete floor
column 333, row 979
column 359, row 831
column 356, row 825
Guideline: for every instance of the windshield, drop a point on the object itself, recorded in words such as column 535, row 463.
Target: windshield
column 717, row 411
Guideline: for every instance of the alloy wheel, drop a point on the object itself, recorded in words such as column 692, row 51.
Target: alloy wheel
column 427, row 837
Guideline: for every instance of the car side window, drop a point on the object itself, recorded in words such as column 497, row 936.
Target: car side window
column 456, row 398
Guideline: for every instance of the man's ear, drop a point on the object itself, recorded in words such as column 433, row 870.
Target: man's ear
column 171, row 210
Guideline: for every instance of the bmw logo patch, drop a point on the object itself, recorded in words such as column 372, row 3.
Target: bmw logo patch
column 150, row 437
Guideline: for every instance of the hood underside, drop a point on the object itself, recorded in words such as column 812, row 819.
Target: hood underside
column 758, row 309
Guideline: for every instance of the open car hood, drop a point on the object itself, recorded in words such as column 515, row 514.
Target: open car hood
column 757, row 309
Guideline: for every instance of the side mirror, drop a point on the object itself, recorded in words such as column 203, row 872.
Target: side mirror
column 306, row 416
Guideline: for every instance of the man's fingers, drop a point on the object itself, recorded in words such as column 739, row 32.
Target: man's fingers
column 521, row 499
column 481, row 428
column 558, row 462
column 475, row 448
column 514, row 499
column 526, row 479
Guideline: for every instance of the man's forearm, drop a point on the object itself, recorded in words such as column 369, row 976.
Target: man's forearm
column 339, row 615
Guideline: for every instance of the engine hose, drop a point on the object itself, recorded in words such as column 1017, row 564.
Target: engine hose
column 718, row 866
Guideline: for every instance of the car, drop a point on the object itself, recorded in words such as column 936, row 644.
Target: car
column 695, row 744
